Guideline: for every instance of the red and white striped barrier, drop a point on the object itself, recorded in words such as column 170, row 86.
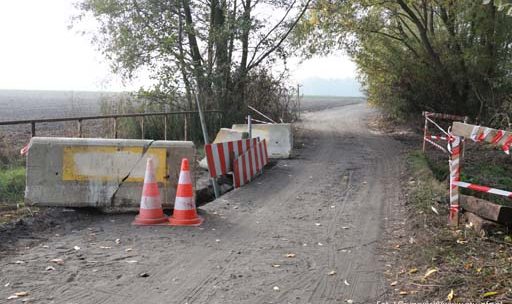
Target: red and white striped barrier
column 220, row 156
column 427, row 138
column 477, row 134
column 454, row 163
column 437, row 137
column 485, row 189
column 500, row 137
column 436, row 145
column 250, row 164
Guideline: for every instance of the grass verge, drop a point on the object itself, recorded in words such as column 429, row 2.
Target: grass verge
column 434, row 262
column 12, row 185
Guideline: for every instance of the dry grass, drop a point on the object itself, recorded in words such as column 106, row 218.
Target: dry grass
column 475, row 268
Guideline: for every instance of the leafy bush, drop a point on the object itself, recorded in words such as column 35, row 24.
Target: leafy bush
column 12, row 185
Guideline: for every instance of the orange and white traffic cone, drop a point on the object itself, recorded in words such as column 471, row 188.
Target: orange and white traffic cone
column 185, row 213
column 151, row 212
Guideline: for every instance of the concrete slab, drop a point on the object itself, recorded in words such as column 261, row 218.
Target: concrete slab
column 279, row 137
column 226, row 134
column 103, row 173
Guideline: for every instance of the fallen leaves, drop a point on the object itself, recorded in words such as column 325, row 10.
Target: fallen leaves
column 57, row 261
column 413, row 270
column 450, row 296
column 18, row 295
column 489, row 294
column 429, row 273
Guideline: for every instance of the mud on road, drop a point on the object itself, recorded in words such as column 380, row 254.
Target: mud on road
column 308, row 231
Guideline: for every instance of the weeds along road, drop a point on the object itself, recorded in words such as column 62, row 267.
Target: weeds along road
column 307, row 231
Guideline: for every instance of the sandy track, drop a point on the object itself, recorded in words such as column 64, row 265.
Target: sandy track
column 328, row 207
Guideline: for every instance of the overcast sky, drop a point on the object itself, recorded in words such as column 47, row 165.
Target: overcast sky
column 39, row 52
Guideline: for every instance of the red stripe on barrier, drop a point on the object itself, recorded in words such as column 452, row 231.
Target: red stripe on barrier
column 257, row 156
column 243, row 169
column 251, row 157
column 231, row 151
column 506, row 145
column 479, row 188
column 236, row 175
column 222, row 158
column 209, row 159
column 262, row 161
column 240, row 148
column 499, row 135
column 265, row 151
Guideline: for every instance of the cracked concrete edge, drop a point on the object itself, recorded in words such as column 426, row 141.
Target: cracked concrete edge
column 145, row 150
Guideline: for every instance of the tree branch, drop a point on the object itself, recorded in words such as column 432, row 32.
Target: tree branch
column 272, row 49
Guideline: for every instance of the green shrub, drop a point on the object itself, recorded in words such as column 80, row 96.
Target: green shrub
column 12, row 185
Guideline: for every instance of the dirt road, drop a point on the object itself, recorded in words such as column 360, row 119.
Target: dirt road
column 307, row 231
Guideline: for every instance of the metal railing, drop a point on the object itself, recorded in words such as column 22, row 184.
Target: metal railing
column 115, row 117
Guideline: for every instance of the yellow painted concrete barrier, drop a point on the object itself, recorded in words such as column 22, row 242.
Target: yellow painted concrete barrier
column 103, row 173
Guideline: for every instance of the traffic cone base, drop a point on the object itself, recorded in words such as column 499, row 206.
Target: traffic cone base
column 150, row 217
column 185, row 218
column 150, row 212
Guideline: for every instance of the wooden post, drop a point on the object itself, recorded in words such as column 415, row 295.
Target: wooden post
column 165, row 127
column 142, row 128
column 79, row 128
column 454, row 163
column 115, row 127
column 425, row 131
column 249, row 125
column 33, row 131
column 186, row 128
column 298, row 100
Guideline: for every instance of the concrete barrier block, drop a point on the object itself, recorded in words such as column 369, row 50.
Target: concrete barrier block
column 102, row 173
column 226, row 134
column 279, row 137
